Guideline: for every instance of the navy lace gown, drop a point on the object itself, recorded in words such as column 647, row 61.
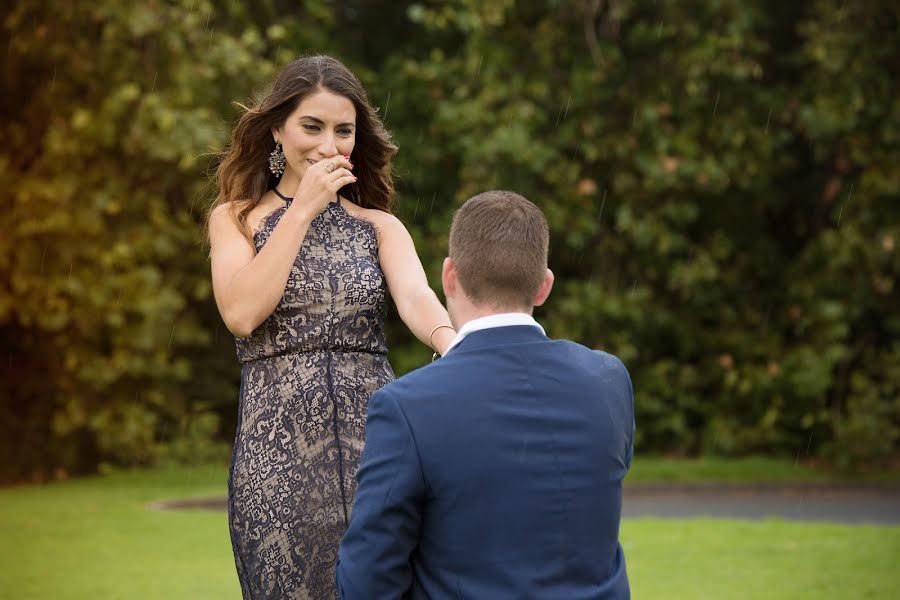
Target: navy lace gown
column 307, row 374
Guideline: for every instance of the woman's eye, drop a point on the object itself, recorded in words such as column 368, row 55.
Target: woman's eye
column 345, row 131
column 311, row 127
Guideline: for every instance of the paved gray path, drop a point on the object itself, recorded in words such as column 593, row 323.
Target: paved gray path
column 878, row 505
column 812, row 503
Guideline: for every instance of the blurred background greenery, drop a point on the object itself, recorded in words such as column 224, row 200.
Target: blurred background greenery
column 721, row 177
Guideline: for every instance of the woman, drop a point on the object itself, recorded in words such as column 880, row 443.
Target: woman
column 303, row 249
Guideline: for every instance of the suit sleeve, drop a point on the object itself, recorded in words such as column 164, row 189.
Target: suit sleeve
column 374, row 555
column 626, row 411
column 629, row 452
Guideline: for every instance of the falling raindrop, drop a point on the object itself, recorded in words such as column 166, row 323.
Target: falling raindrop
column 767, row 120
column 563, row 114
column 416, row 211
column 577, row 150
column 155, row 75
column 602, row 204
column 171, row 335
column 43, row 255
column 386, row 105
column 659, row 30
column 478, row 70
column 431, row 208
column 840, row 214
column 717, row 103
column 633, row 286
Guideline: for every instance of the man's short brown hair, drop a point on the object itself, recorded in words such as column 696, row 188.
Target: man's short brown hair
column 498, row 243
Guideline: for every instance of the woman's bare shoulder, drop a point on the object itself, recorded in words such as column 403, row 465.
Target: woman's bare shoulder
column 223, row 219
column 228, row 212
column 383, row 221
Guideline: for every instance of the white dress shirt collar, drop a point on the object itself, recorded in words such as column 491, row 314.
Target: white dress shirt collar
column 491, row 321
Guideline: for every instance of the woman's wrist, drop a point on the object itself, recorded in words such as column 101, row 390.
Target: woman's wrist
column 441, row 337
column 300, row 214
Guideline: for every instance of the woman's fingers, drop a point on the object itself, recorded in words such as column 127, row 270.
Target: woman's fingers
column 341, row 177
column 343, row 162
column 338, row 173
column 324, row 178
column 334, row 163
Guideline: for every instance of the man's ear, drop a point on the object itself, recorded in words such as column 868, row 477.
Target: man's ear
column 541, row 296
column 449, row 280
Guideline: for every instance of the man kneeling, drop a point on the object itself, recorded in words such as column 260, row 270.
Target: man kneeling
column 495, row 472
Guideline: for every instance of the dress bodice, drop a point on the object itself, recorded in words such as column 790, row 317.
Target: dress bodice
column 334, row 298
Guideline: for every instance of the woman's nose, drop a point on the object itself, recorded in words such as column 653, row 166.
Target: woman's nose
column 328, row 147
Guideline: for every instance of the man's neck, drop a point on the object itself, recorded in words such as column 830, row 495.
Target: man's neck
column 490, row 320
column 481, row 312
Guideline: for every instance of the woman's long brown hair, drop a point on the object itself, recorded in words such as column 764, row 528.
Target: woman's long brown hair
column 243, row 174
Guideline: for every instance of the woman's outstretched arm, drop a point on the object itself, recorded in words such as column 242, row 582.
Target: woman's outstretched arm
column 416, row 302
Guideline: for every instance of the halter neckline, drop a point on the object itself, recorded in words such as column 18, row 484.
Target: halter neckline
column 282, row 196
column 288, row 200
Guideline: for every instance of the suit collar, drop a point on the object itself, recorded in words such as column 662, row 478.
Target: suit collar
column 491, row 321
column 498, row 336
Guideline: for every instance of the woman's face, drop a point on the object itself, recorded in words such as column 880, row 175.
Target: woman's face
column 322, row 126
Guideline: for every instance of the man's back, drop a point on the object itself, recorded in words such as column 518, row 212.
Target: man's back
column 522, row 444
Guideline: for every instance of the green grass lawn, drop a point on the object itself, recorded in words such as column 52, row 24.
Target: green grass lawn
column 95, row 538
column 731, row 560
column 735, row 470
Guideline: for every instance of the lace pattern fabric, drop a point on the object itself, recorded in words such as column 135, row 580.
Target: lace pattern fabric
column 307, row 374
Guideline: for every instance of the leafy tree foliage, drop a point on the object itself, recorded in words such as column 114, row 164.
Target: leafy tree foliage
column 721, row 181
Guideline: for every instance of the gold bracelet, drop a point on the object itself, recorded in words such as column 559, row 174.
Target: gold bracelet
column 431, row 335
column 431, row 339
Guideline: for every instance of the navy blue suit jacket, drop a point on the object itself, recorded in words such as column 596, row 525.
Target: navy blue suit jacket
column 495, row 472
